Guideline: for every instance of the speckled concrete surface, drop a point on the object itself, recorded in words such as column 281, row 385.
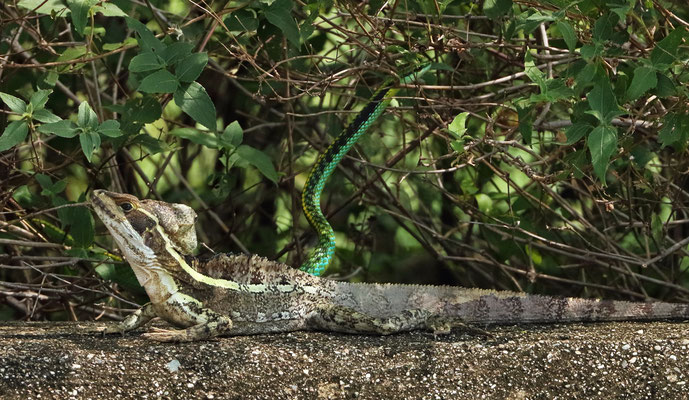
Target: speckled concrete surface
column 593, row 361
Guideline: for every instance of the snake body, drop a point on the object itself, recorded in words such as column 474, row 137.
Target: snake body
column 320, row 257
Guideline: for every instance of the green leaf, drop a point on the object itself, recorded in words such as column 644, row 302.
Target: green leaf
column 86, row 117
column 602, row 143
column 109, row 10
column 59, row 186
column 191, row 67
column 233, row 135
column 484, row 203
column 137, row 112
column 259, row 160
column 39, row 98
column 576, row 132
column 90, row 142
column 176, row 51
column 534, row 255
column 193, row 100
column 152, row 145
column 665, row 86
column 621, row 7
column 657, row 228
column 143, row 109
column 196, row 136
column 119, row 45
column 644, row 79
column 145, row 62
column 46, row 116
column 110, row 128
column 458, row 125
column 675, row 130
column 80, row 13
column 602, row 100
column 48, row 79
column 603, row 28
column 535, row 19
column 576, row 162
column 14, row 134
column 536, row 75
column 14, row 103
column 244, row 20
column 72, row 53
column 43, row 6
column 45, row 181
column 556, row 89
column 95, row 31
column 159, row 82
column 148, row 41
column 525, row 119
column 280, row 14
column 496, row 8
column 641, row 155
column 82, row 227
column 63, row 128
column 51, row 189
column 590, row 51
column 458, row 146
column 587, row 74
column 567, row 34
column 666, row 51
column 24, row 197
column 123, row 275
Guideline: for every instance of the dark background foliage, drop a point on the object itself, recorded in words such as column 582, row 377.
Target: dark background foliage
column 544, row 152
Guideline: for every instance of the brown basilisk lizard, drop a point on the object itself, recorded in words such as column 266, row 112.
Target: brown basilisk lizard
column 239, row 294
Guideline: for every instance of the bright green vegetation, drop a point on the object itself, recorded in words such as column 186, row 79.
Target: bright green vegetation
column 545, row 151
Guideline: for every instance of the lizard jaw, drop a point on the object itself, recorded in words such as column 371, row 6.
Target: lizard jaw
column 130, row 242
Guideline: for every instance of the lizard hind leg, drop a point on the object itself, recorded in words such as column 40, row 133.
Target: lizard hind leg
column 443, row 325
column 347, row 320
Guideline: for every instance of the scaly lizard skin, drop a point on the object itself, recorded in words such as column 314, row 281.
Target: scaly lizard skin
column 243, row 295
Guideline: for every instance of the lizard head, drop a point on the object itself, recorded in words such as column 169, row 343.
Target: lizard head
column 146, row 229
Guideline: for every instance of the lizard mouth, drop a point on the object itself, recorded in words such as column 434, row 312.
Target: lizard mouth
column 112, row 216
column 103, row 204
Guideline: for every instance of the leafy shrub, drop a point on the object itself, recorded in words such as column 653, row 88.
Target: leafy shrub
column 546, row 151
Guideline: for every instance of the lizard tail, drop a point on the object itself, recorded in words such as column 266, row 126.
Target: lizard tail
column 541, row 309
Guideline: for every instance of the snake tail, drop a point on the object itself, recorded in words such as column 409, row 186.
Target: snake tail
column 320, row 256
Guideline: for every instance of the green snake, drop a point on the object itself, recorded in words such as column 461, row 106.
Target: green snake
column 319, row 258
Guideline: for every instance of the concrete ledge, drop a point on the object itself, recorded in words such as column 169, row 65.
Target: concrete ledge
column 575, row 361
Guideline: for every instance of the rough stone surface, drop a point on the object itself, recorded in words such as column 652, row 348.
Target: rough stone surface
column 575, row 361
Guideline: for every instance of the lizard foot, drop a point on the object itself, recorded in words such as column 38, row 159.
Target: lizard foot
column 165, row 335
column 133, row 321
column 203, row 331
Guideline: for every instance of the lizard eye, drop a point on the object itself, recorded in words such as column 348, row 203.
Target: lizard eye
column 126, row 207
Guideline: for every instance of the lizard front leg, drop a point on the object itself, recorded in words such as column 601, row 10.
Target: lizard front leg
column 202, row 323
column 134, row 320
